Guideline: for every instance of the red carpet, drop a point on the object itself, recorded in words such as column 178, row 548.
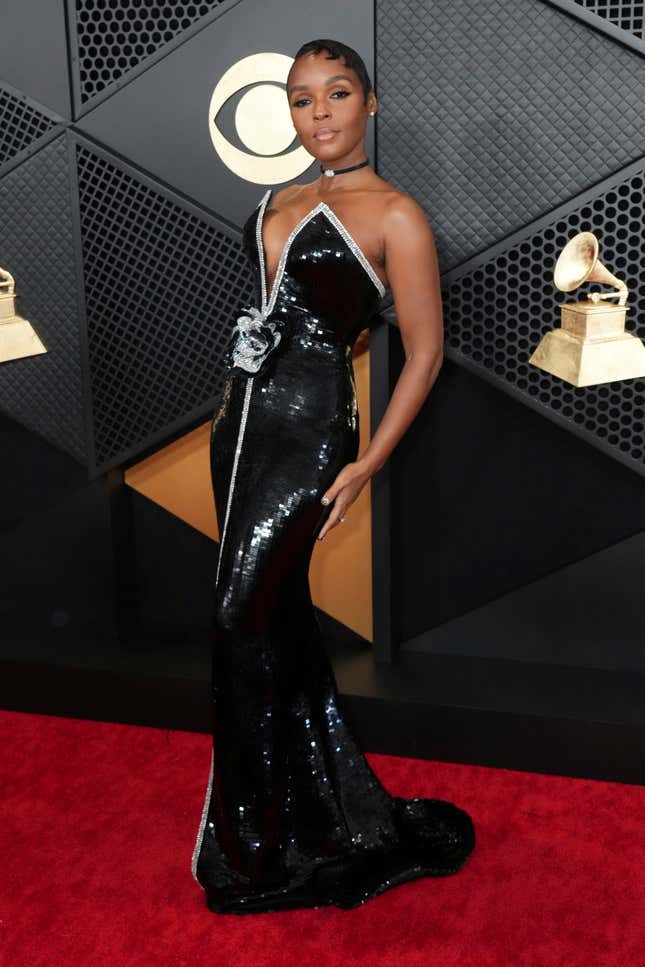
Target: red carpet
column 98, row 823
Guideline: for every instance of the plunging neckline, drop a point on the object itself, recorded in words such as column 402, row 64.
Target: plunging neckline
column 323, row 207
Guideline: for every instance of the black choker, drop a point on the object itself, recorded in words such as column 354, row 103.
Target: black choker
column 341, row 171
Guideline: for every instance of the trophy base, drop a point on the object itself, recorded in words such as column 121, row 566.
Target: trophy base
column 18, row 339
column 589, row 362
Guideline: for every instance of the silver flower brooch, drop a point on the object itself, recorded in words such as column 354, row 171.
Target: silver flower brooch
column 254, row 339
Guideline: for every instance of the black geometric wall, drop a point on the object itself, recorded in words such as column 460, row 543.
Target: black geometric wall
column 111, row 39
column 498, row 308
column 514, row 122
column 516, row 125
column 23, row 124
column 161, row 283
column 130, row 289
column 492, row 114
column 37, row 244
column 131, row 272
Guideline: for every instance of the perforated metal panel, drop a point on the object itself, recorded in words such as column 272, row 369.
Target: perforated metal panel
column 162, row 285
column 114, row 37
column 491, row 131
column 21, row 125
column 497, row 312
column 627, row 16
column 44, row 392
column 493, row 113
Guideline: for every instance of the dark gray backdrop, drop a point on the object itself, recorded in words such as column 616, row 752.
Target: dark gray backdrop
column 517, row 501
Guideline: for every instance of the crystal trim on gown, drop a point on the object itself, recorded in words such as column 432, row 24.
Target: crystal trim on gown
column 293, row 814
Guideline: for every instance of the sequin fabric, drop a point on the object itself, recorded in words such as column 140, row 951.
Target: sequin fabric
column 293, row 815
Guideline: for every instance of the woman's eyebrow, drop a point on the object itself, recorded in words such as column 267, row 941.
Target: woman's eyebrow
column 330, row 80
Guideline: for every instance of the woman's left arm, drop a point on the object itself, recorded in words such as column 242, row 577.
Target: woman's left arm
column 413, row 276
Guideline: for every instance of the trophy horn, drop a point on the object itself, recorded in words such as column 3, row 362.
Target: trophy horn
column 578, row 262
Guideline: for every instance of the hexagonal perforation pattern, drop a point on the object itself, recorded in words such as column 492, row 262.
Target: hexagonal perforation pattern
column 493, row 113
column 161, row 287
column 114, row 37
column 497, row 313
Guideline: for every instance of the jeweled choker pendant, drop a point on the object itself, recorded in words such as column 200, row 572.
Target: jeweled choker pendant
column 330, row 172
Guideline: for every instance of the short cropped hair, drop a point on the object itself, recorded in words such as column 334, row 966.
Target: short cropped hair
column 337, row 49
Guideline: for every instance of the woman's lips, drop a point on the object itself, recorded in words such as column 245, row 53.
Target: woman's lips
column 325, row 135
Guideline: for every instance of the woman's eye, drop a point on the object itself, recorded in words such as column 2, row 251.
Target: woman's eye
column 304, row 100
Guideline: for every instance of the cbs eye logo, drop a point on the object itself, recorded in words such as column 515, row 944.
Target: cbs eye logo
column 262, row 121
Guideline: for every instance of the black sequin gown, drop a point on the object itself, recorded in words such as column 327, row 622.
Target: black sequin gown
column 293, row 815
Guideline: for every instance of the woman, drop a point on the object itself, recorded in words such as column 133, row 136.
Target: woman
column 294, row 815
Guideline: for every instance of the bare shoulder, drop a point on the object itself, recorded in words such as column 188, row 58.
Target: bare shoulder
column 403, row 215
column 286, row 195
column 409, row 247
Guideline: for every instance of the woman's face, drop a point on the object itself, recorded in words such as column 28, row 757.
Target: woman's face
column 326, row 104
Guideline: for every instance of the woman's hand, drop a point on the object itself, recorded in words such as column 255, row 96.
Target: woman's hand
column 343, row 492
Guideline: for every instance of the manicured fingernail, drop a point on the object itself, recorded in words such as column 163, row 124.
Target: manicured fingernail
column 324, row 500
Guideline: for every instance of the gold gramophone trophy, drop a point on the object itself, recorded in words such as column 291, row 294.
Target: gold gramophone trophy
column 17, row 335
column 591, row 346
